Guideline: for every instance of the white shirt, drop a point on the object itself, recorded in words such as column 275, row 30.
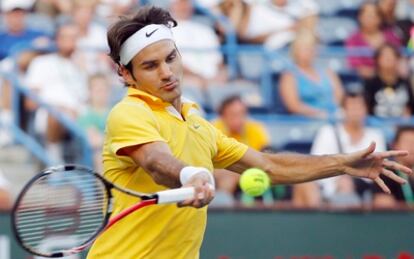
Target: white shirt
column 264, row 19
column 326, row 143
column 199, row 47
column 58, row 80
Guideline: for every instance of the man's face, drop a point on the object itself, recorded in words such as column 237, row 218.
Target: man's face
column 234, row 117
column 406, row 142
column 15, row 20
column 355, row 110
column 158, row 70
column 66, row 39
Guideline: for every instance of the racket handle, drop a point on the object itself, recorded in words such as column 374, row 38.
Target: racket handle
column 175, row 195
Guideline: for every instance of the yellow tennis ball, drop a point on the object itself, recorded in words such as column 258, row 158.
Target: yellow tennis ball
column 254, row 182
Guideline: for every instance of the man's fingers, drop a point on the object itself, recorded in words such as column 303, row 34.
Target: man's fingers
column 202, row 196
column 393, row 176
column 397, row 167
column 392, row 153
column 382, row 185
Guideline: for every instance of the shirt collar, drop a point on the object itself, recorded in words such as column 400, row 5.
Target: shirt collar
column 188, row 107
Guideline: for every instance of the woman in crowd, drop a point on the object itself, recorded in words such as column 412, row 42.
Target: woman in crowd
column 387, row 93
column 306, row 89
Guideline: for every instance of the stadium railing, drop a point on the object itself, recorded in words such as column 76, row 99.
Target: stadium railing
column 29, row 141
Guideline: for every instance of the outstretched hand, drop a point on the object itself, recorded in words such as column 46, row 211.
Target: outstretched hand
column 367, row 164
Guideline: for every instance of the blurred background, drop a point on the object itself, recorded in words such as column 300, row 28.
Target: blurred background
column 308, row 76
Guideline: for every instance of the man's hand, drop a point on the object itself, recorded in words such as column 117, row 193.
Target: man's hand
column 204, row 191
column 367, row 164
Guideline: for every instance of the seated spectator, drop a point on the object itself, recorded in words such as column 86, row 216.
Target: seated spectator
column 199, row 46
column 271, row 23
column 306, row 89
column 59, row 82
column 400, row 26
column 403, row 140
column 53, row 8
column 349, row 136
column 5, row 197
column 256, row 23
column 107, row 10
column 387, row 94
column 368, row 38
column 93, row 119
column 92, row 45
column 16, row 31
column 233, row 122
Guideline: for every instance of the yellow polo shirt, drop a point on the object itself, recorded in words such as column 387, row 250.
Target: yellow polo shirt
column 254, row 134
column 158, row 231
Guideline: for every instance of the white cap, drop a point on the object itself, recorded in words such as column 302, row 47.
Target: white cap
column 10, row 5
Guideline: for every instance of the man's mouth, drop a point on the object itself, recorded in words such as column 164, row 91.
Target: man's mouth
column 170, row 86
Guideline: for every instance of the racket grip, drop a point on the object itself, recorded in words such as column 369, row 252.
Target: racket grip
column 175, row 195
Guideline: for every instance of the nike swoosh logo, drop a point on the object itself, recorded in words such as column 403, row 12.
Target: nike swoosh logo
column 149, row 34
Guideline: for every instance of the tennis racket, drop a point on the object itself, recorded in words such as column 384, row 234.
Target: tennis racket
column 62, row 210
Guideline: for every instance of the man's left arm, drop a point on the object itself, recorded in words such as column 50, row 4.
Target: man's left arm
column 290, row 168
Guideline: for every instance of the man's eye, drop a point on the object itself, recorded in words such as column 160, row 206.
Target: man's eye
column 171, row 58
column 149, row 67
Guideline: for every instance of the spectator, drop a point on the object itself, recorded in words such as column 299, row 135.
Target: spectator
column 346, row 137
column 234, row 122
column 404, row 139
column 256, row 23
column 369, row 37
column 53, row 8
column 388, row 94
column 5, row 197
column 400, row 27
column 59, row 82
column 92, row 44
column 306, row 89
column 93, row 119
column 303, row 12
column 16, row 31
column 199, row 47
column 107, row 10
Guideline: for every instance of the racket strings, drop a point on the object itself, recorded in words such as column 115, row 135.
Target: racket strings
column 66, row 207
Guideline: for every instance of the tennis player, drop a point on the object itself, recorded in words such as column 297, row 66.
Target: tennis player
column 156, row 139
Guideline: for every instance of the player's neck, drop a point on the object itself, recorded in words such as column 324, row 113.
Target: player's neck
column 176, row 103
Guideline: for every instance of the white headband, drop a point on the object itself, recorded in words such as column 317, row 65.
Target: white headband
column 141, row 39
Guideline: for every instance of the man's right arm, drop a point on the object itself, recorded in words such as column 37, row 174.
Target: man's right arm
column 157, row 159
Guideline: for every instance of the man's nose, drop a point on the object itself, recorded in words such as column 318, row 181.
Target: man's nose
column 165, row 71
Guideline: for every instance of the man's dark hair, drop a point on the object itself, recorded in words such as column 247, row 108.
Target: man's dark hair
column 401, row 129
column 227, row 102
column 120, row 31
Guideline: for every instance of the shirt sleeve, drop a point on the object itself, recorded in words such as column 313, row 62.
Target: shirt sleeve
column 229, row 150
column 131, row 124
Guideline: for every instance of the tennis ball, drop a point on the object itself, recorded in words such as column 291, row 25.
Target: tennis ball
column 254, row 182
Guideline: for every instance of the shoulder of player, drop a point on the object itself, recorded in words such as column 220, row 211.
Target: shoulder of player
column 130, row 108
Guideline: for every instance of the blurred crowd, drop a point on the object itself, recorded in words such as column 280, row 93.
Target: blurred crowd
column 57, row 51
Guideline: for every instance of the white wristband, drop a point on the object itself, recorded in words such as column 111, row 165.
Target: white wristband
column 189, row 171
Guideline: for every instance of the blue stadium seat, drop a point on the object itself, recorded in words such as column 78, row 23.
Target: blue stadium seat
column 249, row 92
column 195, row 94
column 41, row 23
column 250, row 64
column 335, row 30
column 292, row 134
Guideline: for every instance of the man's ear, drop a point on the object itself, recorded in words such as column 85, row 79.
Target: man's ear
column 126, row 75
